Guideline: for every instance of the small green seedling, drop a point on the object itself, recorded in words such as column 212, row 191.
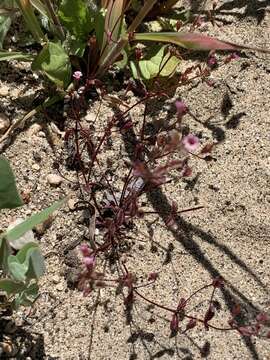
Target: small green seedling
column 22, row 265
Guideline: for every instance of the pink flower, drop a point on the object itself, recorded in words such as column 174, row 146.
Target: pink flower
column 85, row 250
column 181, row 108
column 77, row 75
column 190, row 142
column 89, row 262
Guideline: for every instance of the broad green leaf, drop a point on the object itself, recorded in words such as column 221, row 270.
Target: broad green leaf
column 31, row 222
column 36, row 265
column 158, row 62
column 76, row 17
column 9, row 197
column 11, row 286
column 31, row 257
column 192, row 41
column 17, row 269
column 54, row 61
column 27, row 264
column 5, row 22
column 5, row 251
column 24, row 252
column 13, row 55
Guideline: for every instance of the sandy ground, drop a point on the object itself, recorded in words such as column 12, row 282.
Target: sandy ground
column 229, row 237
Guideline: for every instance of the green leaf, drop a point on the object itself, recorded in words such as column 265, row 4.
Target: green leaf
column 30, row 255
column 5, row 22
column 31, row 222
column 54, row 61
column 5, row 251
column 9, row 197
column 27, row 264
column 11, row 286
column 36, row 265
column 77, row 18
column 13, row 55
column 24, row 252
column 17, row 269
column 158, row 62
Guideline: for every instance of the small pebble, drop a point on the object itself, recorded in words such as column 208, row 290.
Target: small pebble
column 4, row 123
column 71, row 204
column 15, row 93
column 42, row 134
column 34, row 129
column 35, row 167
column 56, row 279
column 91, row 117
column 60, row 287
column 4, row 90
column 54, row 179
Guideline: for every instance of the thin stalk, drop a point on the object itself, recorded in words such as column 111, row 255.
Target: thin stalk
column 211, row 326
column 55, row 19
column 153, row 302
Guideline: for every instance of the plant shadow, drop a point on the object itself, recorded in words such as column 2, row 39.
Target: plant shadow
column 184, row 234
column 22, row 344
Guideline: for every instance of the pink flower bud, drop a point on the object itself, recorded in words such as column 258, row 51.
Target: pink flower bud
column 212, row 61
column 153, row 276
column 262, row 318
column 85, row 250
column 77, row 75
column 191, row 142
column 181, row 108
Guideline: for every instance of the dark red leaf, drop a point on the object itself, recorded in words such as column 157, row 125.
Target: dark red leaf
column 218, row 282
column 207, row 149
column 236, row 310
column 208, row 316
column 153, row 276
column 191, row 324
column 174, row 325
